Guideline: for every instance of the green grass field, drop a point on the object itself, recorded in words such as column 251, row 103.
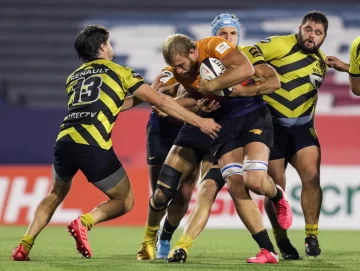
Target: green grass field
column 115, row 249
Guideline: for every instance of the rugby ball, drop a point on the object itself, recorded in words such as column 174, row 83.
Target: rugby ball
column 211, row 68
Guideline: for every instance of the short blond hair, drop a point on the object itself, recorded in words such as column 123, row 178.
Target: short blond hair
column 176, row 44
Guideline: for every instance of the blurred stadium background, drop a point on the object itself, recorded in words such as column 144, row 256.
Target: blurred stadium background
column 36, row 39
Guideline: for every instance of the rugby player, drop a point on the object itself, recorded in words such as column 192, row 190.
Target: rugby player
column 96, row 92
column 228, row 27
column 353, row 69
column 301, row 67
column 185, row 56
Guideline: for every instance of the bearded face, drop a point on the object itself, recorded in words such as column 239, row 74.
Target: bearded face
column 311, row 36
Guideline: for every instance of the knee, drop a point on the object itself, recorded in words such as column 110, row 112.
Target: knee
column 160, row 198
column 129, row 202
column 254, row 180
column 235, row 186
column 311, row 178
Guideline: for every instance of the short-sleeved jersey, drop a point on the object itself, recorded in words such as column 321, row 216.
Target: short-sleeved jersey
column 96, row 92
column 251, row 53
column 301, row 75
column 230, row 107
column 354, row 69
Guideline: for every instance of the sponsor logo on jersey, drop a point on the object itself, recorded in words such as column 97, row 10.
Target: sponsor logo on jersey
column 222, row 47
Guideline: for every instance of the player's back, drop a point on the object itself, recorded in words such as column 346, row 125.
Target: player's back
column 96, row 92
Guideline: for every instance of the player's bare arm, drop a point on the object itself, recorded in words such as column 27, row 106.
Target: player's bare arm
column 267, row 83
column 158, row 85
column 337, row 64
column 238, row 69
column 130, row 102
column 172, row 108
column 184, row 99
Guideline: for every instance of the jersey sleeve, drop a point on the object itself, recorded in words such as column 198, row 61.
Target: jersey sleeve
column 168, row 78
column 218, row 47
column 130, row 79
column 270, row 47
column 253, row 54
column 354, row 69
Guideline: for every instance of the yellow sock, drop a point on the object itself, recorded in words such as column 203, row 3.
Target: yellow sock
column 185, row 241
column 87, row 220
column 150, row 233
column 311, row 229
column 280, row 234
column 27, row 241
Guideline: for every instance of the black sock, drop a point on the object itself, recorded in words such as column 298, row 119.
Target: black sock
column 168, row 231
column 278, row 196
column 263, row 240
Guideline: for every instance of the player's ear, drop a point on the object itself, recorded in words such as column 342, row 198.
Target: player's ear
column 102, row 47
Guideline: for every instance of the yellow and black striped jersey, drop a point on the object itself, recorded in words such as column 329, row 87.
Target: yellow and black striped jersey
column 354, row 69
column 301, row 75
column 251, row 53
column 96, row 92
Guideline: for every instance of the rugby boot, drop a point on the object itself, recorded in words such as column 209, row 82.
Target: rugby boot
column 146, row 251
column 264, row 256
column 312, row 247
column 19, row 254
column 80, row 234
column 287, row 250
column 177, row 255
column 162, row 249
column 283, row 211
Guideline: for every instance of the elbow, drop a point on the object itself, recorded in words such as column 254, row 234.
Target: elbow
column 356, row 91
column 355, row 88
column 162, row 101
column 277, row 83
column 250, row 71
column 273, row 84
column 355, row 85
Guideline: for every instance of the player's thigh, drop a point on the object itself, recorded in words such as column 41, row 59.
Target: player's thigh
column 154, row 173
column 103, row 169
column 122, row 190
column 231, row 167
column 306, row 156
column 64, row 167
column 255, row 166
column 183, row 159
column 307, row 163
column 158, row 146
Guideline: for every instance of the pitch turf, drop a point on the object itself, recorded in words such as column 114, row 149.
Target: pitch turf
column 115, row 249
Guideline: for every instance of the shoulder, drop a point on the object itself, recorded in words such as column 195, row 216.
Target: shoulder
column 355, row 47
column 250, row 51
column 288, row 39
column 114, row 66
column 323, row 55
column 218, row 44
column 168, row 76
